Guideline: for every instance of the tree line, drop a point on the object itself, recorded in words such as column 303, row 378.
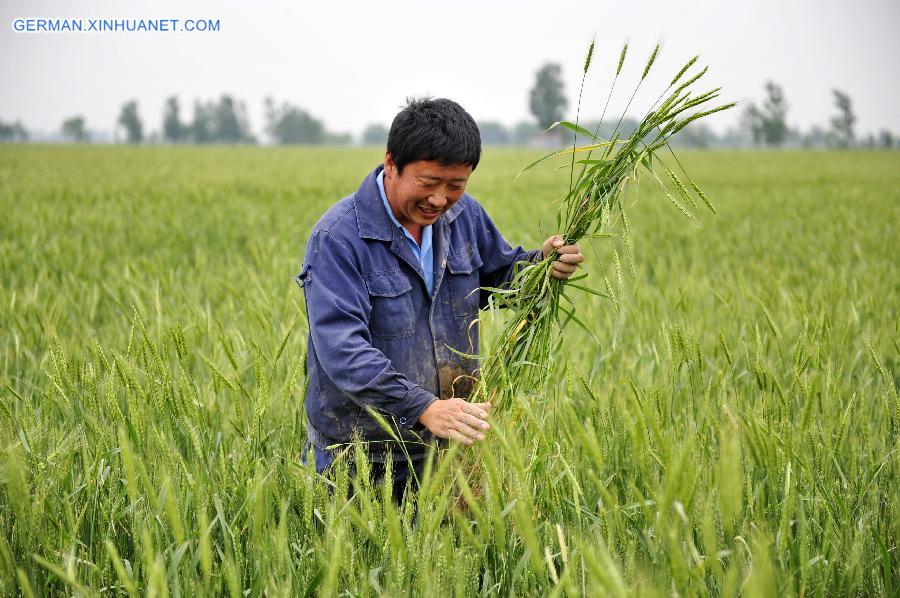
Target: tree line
column 225, row 121
column 760, row 125
column 767, row 124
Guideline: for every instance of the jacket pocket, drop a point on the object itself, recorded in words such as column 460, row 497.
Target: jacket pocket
column 463, row 280
column 392, row 314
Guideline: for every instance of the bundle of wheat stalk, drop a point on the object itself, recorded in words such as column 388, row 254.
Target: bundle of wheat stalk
column 538, row 305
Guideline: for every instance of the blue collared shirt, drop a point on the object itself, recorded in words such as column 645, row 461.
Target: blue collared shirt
column 423, row 252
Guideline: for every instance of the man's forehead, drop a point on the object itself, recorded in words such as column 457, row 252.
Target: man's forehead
column 433, row 170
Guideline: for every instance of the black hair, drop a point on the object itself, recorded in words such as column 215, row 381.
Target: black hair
column 434, row 129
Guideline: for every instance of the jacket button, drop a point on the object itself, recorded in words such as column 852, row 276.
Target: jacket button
column 402, row 421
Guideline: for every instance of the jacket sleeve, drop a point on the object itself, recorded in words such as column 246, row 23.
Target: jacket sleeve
column 498, row 257
column 338, row 308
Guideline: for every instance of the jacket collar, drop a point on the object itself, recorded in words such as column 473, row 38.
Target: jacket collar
column 371, row 219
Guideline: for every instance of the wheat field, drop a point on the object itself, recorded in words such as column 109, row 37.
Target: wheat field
column 728, row 427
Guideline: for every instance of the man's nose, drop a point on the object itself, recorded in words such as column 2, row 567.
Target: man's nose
column 437, row 199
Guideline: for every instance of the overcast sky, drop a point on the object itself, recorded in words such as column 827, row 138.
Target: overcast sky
column 353, row 63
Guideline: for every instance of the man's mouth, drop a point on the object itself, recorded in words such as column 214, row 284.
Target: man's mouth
column 429, row 213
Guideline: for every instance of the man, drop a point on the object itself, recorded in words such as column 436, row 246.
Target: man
column 391, row 277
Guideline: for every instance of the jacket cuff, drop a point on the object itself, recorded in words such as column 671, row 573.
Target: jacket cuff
column 413, row 404
column 534, row 256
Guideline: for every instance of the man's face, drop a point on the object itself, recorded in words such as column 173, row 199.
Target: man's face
column 424, row 191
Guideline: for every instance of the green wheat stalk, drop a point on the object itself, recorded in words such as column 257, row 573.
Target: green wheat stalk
column 539, row 305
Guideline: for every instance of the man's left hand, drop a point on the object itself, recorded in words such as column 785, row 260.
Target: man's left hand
column 567, row 257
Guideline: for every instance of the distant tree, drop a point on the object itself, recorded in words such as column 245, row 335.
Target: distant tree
column 494, row 133
column 230, row 121
column 20, row 133
column 202, row 129
column 375, row 134
column 546, row 99
column 886, row 139
column 173, row 130
column 224, row 121
column 751, row 122
column 288, row 124
column 524, row 132
column 12, row 132
column 774, row 113
column 767, row 124
column 74, row 129
column 842, row 124
column 129, row 119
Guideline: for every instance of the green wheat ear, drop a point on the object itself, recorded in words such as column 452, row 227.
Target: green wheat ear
column 650, row 61
column 590, row 54
column 622, row 58
column 684, row 69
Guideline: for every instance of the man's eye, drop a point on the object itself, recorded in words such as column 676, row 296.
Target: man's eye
column 456, row 188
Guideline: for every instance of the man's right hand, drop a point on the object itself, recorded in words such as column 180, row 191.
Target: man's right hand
column 457, row 419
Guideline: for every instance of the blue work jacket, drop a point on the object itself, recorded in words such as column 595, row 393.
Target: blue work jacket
column 377, row 338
